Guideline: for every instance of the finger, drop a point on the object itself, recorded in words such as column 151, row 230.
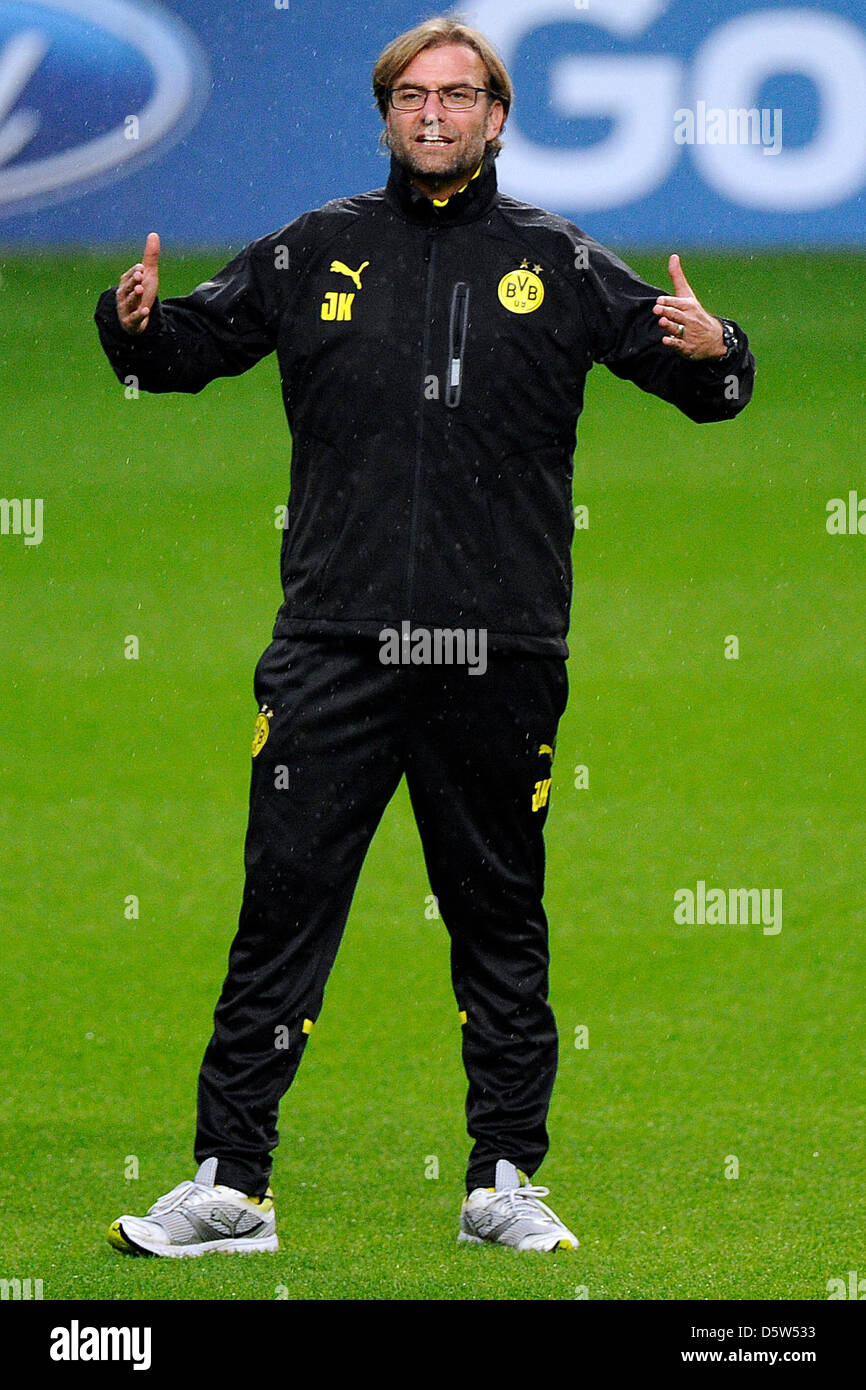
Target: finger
column 128, row 278
column 128, row 305
column 677, row 301
column 135, row 322
column 130, row 281
column 677, row 274
column 131, row 292
column 676, row 331
column 151, row 251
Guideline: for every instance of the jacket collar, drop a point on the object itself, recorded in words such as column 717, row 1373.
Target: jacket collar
column 467, row 205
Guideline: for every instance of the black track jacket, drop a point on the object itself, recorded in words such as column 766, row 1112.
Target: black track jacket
column 433, row 361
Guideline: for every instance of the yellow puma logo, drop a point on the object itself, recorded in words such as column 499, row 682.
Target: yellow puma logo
column 354, row 275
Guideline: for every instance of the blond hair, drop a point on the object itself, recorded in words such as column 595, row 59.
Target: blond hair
column 436, row 33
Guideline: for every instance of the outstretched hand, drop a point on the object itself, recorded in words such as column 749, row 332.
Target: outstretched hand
column 692, row 332
column 138, row 289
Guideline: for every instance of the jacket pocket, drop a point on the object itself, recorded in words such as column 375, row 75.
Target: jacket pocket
column 457, row 344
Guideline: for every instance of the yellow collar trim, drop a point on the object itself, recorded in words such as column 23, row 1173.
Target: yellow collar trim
column 443, row 202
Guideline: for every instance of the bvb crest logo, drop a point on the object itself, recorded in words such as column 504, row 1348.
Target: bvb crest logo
column 262, row 729
column 521, row 291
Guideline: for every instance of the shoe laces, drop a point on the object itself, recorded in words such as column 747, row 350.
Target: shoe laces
column 179, row 1196
column 511, row 1196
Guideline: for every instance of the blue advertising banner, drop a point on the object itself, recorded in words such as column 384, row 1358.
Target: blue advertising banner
column 644, row 121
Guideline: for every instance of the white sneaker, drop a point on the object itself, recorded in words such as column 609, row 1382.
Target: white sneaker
column 196, row 1218
column 511, row 1213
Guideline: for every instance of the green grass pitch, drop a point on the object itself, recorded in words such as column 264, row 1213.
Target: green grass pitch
column 123, row 777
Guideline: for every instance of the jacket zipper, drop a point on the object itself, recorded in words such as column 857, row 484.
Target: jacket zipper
column 430, row 258
column 457, row 343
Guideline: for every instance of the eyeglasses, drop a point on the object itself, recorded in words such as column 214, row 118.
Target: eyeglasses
column 452, row 98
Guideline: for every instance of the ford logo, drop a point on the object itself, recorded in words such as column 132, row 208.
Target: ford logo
column 87, row 87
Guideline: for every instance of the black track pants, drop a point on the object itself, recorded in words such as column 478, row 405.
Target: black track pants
column 342, row 728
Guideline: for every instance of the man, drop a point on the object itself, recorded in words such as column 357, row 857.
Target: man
column 433, row 338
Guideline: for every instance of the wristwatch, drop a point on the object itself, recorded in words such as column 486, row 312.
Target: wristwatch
column 732, row 342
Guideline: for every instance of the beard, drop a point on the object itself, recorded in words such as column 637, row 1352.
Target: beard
column 458, row 161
